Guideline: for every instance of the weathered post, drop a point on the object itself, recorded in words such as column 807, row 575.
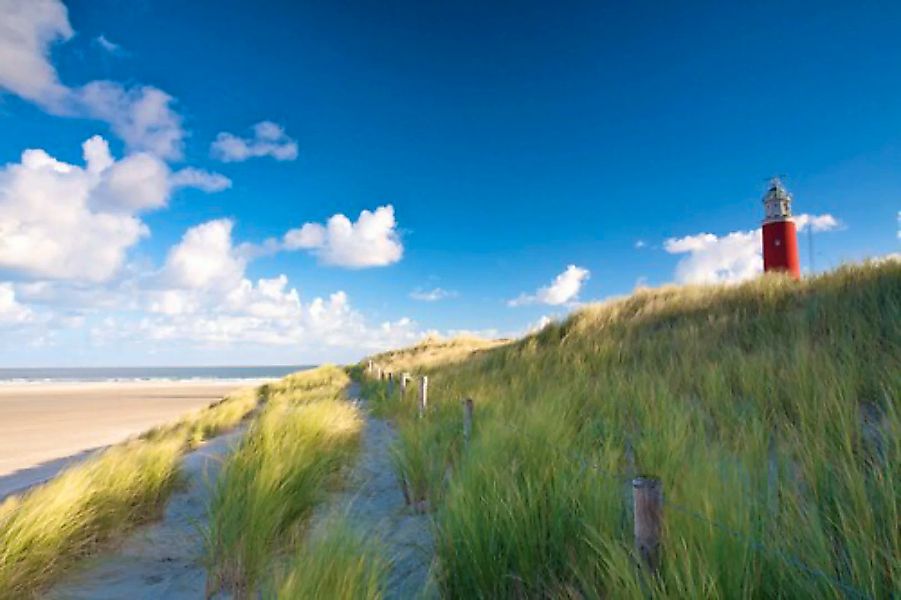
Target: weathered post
column 404, row 378
column 381, row 375
column 647, row 501
column 467, row 419
column 390, row 383
column 423, row 394
column 369, row 368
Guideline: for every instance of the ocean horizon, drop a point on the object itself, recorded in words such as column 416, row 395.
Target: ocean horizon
column 126, row 374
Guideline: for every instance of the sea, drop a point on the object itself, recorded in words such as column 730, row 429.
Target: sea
column 105, row 374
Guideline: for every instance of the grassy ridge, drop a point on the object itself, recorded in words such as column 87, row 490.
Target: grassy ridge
column 768, row 408
column 270, row 484
column 47, row 529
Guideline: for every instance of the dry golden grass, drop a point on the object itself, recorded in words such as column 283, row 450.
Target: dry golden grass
column 271, row 482
column 432, row 352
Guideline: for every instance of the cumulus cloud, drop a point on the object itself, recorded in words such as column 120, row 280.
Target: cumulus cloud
column 269, row 139
column 639, row 244
column 11, row 311
column 200, row 179
column 205, row 257
column 564, row 289
column 63, row 221
column 824, row 222
column 27, row 31
column 203, row 295
column 371, row 241
column 712, row 259
column 432, row 295
column 142, row 116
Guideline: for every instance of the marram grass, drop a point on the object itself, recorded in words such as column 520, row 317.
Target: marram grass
column 48, row 529
column 340, row 563
column 768, row 409
column 271, row 482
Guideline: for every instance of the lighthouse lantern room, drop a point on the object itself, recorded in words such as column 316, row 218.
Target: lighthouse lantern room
column 780, row 237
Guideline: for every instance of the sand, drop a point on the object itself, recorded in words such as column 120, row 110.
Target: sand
column 44, row 427
column 372, row 502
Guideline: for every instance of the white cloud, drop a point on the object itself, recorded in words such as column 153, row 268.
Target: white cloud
column 27, row 30
column 432, row 295
column 371, row 241
column 63, row 221
column 639, row 244
column 137, row 183
column 11, row 311
column 824, row 222
column 269, row 139
column 711, row 259
column 203, row 295
column 200, row 179
column 142, row 116
column 205, row 258
column 49, row 224
column 564, row 289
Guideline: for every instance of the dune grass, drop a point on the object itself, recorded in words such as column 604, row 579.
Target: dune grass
column 49, row 528
column 340, row 563
column 433, row 351
column 270, row 484
column 768, row 409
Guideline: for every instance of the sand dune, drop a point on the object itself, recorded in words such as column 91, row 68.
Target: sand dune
column 43, row 427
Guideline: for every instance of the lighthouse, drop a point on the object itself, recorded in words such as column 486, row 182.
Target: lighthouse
column 780, row 238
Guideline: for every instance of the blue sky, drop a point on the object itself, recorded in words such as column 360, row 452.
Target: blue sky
column 632, row 142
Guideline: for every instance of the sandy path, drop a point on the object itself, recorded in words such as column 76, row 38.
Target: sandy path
column 44, row 427
column 163, row 559
column 373, row 502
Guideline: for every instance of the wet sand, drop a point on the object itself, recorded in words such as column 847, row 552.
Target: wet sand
column 44, row 427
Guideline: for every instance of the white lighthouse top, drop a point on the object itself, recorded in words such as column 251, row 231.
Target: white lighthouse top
column 777, row 202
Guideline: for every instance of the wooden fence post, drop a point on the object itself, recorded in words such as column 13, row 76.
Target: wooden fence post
column 390, row 383
column 404, row 378
column 369, row 368
column 423, row 394
column 467, row 419
column 647, row 501
column 381, row 374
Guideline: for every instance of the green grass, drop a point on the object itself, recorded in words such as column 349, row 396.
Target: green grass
column 340, row 564
column 270, row 484
column 769, row 408
column 49, row 528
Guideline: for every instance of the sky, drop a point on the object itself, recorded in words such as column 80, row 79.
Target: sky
column 217, row 183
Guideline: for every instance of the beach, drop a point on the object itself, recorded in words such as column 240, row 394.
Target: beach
column 45, row 426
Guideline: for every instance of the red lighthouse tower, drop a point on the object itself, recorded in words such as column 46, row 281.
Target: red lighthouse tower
column 780, row 238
